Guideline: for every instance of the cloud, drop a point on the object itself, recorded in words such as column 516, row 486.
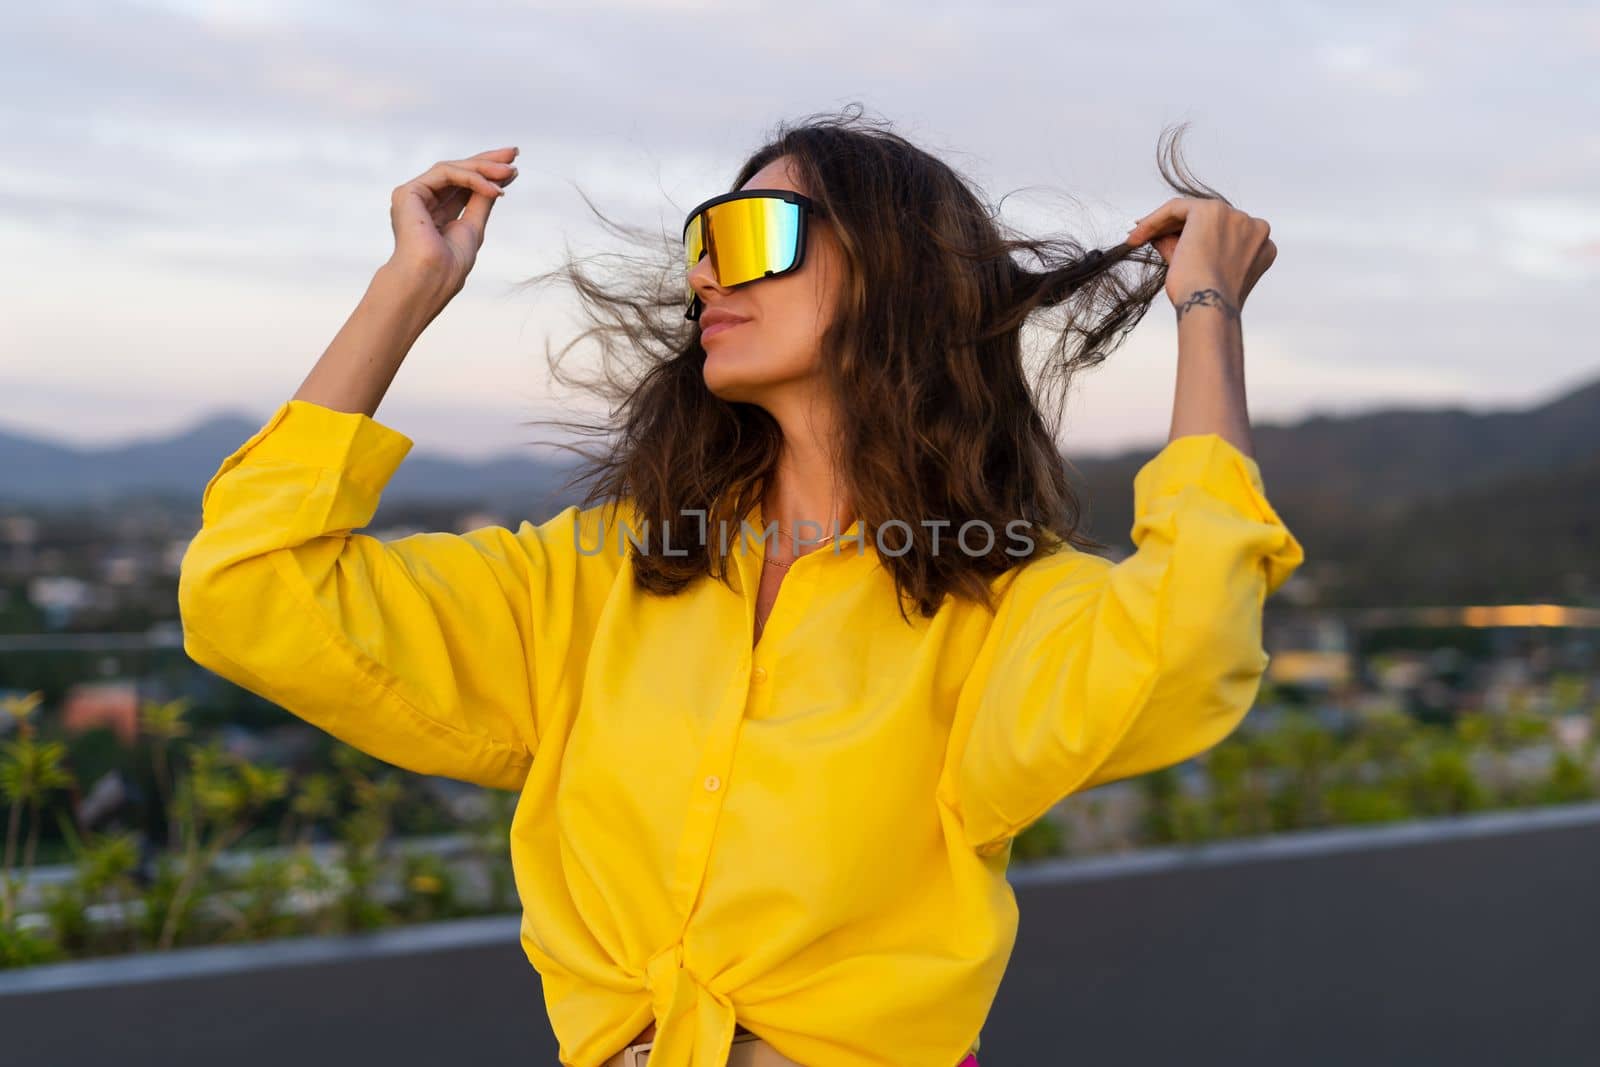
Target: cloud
column 1428, row 170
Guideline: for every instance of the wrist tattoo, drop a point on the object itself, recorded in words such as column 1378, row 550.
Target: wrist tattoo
column 1208, row 298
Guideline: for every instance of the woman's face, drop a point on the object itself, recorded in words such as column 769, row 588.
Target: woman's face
column 780, row 343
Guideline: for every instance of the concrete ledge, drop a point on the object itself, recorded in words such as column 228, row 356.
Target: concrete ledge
column 212, row 960
column 1306, row 843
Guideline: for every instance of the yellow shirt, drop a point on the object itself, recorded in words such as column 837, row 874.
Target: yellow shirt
column 809, row 837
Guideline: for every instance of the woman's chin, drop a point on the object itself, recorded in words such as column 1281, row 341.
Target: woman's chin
column 730, row 379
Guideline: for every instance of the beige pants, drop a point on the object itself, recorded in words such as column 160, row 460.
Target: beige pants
column 748, row 1050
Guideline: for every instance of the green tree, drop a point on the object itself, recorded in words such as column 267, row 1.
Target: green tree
column 219, row 796
column 163, row 724
column 30, row 769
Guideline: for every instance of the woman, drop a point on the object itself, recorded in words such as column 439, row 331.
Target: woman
column 769, row 785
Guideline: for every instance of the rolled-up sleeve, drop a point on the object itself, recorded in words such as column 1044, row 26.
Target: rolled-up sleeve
column 440, row 653
column 1093, row 671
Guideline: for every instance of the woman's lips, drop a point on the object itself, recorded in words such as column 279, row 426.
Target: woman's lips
column 712, row 331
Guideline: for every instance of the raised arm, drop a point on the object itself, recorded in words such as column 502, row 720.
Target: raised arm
column 441, row 653
column 1094, row 671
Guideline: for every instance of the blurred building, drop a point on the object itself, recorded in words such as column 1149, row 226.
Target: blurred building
column 59, row 597
column 1311, row 649
column 113, row 704
column 19, row 536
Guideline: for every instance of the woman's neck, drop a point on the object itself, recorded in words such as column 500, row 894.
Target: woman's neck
column 807, row 486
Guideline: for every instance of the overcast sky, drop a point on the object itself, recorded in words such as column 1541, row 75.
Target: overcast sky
column 193, row 196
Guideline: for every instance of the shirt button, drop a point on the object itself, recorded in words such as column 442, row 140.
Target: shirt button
column 713, row 783
column 759, row 674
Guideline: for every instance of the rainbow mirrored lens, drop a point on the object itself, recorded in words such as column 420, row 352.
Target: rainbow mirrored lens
column 747, row 238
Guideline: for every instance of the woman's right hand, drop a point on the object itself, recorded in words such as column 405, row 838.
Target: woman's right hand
column 436, row 242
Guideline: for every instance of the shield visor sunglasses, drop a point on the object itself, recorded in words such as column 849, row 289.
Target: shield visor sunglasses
column 750, row 235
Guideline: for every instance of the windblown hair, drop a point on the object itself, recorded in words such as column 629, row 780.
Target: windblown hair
column 941, row 417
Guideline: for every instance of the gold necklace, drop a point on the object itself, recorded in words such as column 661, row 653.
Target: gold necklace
column 787, row 564
column 793, row 541
column 796, row 543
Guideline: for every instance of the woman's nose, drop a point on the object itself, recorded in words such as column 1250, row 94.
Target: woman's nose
column 702, row 277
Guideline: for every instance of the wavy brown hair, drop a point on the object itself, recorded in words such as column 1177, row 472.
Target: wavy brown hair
column 942, row 418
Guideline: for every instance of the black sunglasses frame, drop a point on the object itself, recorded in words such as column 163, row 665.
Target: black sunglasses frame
column 807, row 207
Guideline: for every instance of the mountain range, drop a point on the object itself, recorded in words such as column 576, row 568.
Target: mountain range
column 1419, row 505
column 1431, row 502
column 37, row 472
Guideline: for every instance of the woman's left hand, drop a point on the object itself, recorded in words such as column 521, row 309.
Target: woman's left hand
column 1207, row 245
